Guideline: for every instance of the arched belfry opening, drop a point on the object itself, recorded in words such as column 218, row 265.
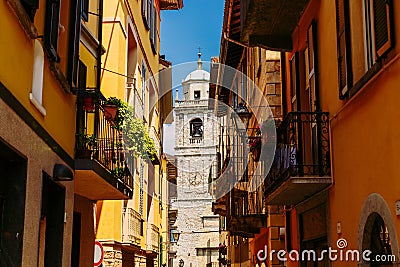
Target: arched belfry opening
column 196, row 128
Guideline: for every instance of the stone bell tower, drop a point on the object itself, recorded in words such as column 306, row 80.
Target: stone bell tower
column 196, row 135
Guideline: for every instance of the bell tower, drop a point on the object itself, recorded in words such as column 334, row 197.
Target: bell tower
column 196, row 135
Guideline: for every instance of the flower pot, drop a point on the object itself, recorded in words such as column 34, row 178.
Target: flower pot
column 88, row 103
column 110, row 112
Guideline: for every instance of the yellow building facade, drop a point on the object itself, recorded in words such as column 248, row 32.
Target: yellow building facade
column 133, row 232
column 40, row 206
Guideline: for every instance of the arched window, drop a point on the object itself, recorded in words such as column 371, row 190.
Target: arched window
column 196, row 128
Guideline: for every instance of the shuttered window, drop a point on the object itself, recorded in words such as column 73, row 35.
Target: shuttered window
column 52, row 22
column 74, row 40
column 312, row 66
column 378, row 18
column 343, row 47
column 382, row 22
column 294, row 84
column 145, row 7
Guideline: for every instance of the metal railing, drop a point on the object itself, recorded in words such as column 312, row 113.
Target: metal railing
column 132, row 226
column 302, row 148
column 98, row 139
column 196, row 140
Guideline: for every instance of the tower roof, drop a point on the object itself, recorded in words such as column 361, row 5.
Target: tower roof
column 199, row 74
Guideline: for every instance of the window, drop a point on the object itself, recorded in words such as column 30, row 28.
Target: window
column 378, row 21
column 311, row 67
column 36, row 96
column 196, row 94
column 294, row 80
column 30, row 7
column 74, row 41
column 144, row 84
column 146, row 12
column 196, row 128
column 52, row 22
column 343, row 47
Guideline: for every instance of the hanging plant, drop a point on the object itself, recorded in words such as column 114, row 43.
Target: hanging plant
column 136, row 137
column 115, row 111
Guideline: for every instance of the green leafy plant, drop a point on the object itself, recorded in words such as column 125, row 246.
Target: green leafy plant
column 118, row 172
column 86, row 141
column 136, row 138
column 135, row 135
column 122, row 110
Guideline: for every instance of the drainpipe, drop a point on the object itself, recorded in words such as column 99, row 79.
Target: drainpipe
column 98, row 70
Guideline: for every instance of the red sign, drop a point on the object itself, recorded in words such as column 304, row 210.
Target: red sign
column 98, row 254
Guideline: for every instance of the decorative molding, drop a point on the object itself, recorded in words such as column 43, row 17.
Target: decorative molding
column 23, row 18
column 90, row 41
column 59, row 75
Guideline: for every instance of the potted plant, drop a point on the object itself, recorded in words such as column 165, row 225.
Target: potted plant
column 88, row 103
column 115, row 111
column 118, row 172
column 85, row 146
column 255, row 145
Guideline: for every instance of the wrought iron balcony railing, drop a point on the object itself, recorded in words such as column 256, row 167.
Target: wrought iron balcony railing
column 302, row 149
column 132, row 227
column 97, row 139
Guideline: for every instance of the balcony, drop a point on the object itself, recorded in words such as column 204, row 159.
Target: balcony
column 269, row 23
column 102, row 167
column 152, row 244
column 132, row 227
column 301, row 166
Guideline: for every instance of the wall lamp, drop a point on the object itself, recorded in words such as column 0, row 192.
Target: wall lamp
column 244, row 114
column 62, row 173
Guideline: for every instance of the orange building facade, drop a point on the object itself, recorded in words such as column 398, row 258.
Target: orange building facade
column 334, row 171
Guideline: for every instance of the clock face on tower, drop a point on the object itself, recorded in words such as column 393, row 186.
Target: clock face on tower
column 194, row 179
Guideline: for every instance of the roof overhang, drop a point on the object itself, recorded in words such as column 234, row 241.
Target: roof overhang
column 297, row 189
column 171, row 4
column 270, row 23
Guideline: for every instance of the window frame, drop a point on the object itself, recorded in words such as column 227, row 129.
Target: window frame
column 51, row 29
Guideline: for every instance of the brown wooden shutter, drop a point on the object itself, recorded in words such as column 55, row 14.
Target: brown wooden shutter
column 343, row 47
column 294, row 82
column 382, row 26
column 73, row 42
column 312, row 66
column 52, row 23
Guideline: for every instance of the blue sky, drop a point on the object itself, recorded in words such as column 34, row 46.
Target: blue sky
column 199, row 23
